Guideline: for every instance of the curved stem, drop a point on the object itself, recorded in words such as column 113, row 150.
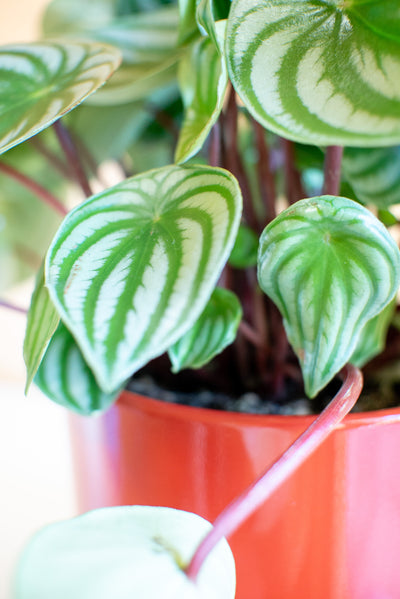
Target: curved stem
column 332, row 170
column 9, row 306
column 34, row 188
column 254, row 496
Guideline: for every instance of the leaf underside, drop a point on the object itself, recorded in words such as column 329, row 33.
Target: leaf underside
column 124, row 552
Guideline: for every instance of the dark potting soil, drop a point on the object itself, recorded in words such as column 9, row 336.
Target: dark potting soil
column 254, row 403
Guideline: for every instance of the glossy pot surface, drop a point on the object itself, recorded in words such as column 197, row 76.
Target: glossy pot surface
column 332, row 531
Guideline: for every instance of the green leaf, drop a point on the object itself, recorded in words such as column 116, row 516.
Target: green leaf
column 132, row 268
column 372, row 339
column 203, row 80
column 63, row 17
column 245, row 250
column 42, row 321
column 374, row 174
column 149, row 46
column 66, row 379
column 187, row 20
column 214, row 330
column 387, row 218
column 330, row 266
column 42, row 81
column 132, row 552
column 208, row 15
column 318, row 72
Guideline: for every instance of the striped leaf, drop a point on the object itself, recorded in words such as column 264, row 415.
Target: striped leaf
column 214, row 330
column 65, row 378
column 150, row 51
column 131, row 269
column 372, row 340
column 42, row 321
column 318, row 72
column 42, row 81
column 203, row 80
column 129, row 552
column 330, row 266
column 374, row 174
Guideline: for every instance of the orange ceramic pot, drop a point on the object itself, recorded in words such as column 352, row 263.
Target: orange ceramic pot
column 332, row 531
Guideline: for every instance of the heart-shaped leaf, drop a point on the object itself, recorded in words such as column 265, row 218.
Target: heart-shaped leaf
column 318, row 72
column 42, row 321
column 330, row 266
column 203, row 80
column 42, row 81
column 131, row 269
column 66, row 379
column 134, row 552
column 374, row 174
column 214, row 330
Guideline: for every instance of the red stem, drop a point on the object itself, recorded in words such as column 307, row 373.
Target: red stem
column 265, row 176
column 34, row 188
column 332, row 170
column 254, row 496
column 294, row 187
column 72, row 157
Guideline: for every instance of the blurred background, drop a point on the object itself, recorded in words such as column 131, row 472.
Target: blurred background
column 36, row 483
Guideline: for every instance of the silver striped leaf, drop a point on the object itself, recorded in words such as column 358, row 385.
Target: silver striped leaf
column 330, row 266
column 66, row 379
column 42, row 81
column 317, row 72
column 214, row 330
column 374, row 174
column 41, row 323
column 131, row 269
column 203, row 81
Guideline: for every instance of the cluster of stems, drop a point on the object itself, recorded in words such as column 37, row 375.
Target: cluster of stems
column 260, row 359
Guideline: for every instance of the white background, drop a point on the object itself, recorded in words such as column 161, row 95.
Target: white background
column 36, row 483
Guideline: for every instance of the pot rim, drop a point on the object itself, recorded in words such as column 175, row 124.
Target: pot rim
column 132, row 400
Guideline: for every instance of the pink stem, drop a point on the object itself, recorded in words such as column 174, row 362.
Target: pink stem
column 33, row 187
column 255, row 495
column 4, row 304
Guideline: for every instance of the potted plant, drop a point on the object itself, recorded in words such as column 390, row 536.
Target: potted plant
column 257, row 101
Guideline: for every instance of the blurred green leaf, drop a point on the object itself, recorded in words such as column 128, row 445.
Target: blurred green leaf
column 245, row 250
column 42, row 321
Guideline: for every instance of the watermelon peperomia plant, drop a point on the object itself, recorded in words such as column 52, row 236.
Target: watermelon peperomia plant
column 280, row 119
